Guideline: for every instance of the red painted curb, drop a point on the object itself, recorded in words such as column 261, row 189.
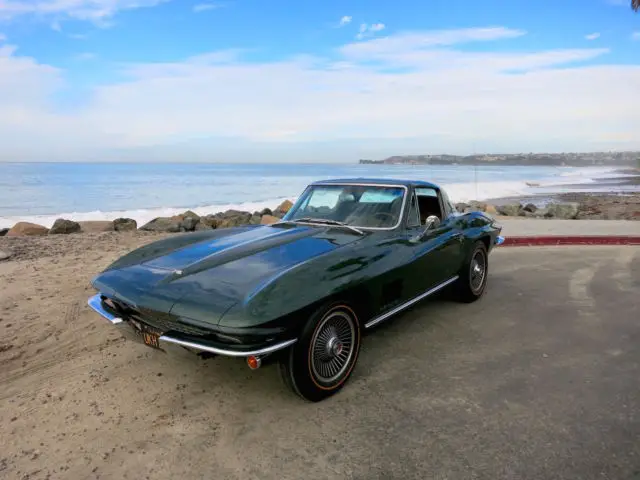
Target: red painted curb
column 571, row 240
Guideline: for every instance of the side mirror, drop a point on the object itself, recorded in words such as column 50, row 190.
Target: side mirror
column 432, row 222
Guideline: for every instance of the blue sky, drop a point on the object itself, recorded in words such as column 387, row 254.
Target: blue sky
column 244, row 80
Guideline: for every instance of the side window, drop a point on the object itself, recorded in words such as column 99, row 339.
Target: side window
column 449, row 207
column 413, row 219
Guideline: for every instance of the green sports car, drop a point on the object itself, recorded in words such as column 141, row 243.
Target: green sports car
column 348, row 255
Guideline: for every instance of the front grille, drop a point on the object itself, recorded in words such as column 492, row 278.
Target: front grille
column 164, row 322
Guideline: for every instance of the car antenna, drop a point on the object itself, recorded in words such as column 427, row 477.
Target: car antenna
column 475, row 168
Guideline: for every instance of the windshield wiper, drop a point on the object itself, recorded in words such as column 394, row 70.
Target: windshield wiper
column 328, row 222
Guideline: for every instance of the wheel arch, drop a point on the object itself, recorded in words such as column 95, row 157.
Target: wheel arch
column 486, row 239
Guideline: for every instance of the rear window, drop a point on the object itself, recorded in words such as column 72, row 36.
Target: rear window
column 380, row 195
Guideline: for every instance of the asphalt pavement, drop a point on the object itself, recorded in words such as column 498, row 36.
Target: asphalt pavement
column 540, row 379
column 520, row 226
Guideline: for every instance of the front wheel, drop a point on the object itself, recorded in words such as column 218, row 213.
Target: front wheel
column 472, row 279
column 321, row 361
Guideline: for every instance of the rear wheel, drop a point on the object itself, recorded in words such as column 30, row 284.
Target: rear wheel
column 321, row 361
column 472, row 279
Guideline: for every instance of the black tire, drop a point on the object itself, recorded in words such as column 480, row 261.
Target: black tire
column 329, row 344
column 469, row 287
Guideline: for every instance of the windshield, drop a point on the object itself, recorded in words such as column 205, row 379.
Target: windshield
column 354, row 205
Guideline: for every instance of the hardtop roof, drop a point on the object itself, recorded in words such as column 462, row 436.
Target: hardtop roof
column 379, row 181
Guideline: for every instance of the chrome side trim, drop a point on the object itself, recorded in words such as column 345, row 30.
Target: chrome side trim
column 399, row 308
column 96, row 303
column 499, row 240
column 228, row 353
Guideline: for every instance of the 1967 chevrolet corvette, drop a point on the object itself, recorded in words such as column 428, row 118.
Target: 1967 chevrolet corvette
column 348, row 255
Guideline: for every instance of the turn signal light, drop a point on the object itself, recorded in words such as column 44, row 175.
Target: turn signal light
column 254, row 362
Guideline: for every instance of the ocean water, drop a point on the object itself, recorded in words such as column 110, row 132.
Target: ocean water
column 42, row 192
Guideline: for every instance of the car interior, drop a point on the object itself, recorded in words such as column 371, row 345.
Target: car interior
column 369, row 214
column 353, row 209
column 429, row 205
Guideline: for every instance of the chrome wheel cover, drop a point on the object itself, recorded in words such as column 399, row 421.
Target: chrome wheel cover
column 332, row 346
column 478, row 271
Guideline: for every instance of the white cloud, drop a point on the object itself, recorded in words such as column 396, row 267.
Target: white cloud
column 203, row 7
column 411, row 41
column 2, row 37
column 635, row 36
column 345, row 20
column 86, row 56
column 369, row 30
column 93, row 10
column 413, row 90
column 592, row 36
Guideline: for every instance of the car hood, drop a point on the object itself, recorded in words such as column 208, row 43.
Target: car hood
column 202, row 280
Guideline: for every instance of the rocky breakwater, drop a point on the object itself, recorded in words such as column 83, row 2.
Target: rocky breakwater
column 581, row 207
column 185, row 222
column 569, row 210
column 190, row 221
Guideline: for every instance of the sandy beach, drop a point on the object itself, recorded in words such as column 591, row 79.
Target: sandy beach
column 57, row 397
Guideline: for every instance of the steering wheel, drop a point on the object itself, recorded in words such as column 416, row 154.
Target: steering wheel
column 384, row 214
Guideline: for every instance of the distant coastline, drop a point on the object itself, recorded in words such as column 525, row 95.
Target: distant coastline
column 599, row 159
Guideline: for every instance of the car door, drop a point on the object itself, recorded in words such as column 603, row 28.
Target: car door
column 433, row 251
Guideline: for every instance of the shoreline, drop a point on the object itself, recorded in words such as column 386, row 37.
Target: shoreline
column 593, row 202
column 614, row 198
column 152, row 203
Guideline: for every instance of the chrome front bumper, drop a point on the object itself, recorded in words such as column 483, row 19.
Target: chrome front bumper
column 131, row 333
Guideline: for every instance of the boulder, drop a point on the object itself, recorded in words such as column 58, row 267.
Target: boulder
column 284, row 207
column 188, row 224
column 125, row 224
column 268, row 219
column 96, row 226
column 191, row 214
column 233, row 218
column 562, row 210
column 509, row 210
column 266, row 211
column 462, row 207
column 63, row 227
column 477, row 206
column 4, row 255
column 255, row 220
column 491, row 209
column 162, row 224
column 236, row 214
column 210, row 220
column 27, row 229
column 232, row 222
column 530, row 207
column 202, row 226
column 3, row 231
